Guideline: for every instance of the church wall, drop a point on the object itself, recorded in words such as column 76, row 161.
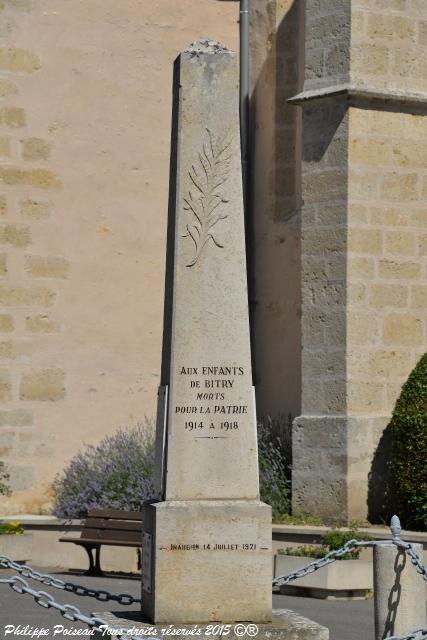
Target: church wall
column 85, row 109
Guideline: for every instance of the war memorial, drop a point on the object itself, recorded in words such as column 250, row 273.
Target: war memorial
column 208, row 535
column 293, row 257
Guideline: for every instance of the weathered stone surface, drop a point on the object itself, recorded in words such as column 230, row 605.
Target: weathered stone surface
column 284, row 624
column 16, row 418
column 6, row 321
column 46, row 385
column 211, row 405
column 35, row 209
column 18, row 60
column 332, row 458
column 46, row 267
column 394, row 574
column 363, row 181
column 26, row 296
column 13, row 117
column 15, row 235
column 3, row 206
column 3, row 264
column 41, row 324
column 5, row 386
column 35, row 149
column 339, row 580
column 210, row 536
column 216, row 552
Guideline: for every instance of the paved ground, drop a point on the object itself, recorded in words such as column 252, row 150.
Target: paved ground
column 346, row 620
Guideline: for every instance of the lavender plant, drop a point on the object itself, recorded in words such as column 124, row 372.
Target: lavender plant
column 273, row 470
column 117, row 473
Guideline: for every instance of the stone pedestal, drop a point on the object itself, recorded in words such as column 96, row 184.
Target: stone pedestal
column 285, row 624
column 217, row 555
column 207, row 542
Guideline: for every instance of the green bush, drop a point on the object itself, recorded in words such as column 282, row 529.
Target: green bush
column 331, row 541
column 409, row 450
column 336, row 538
column 4, row 478
column 305, row 551
column 273, row 470
column 11, row 529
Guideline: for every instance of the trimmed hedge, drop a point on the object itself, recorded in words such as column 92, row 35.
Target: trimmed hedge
column 409, row 450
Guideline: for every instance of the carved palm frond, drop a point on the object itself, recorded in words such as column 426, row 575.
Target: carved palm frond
column 205, row 196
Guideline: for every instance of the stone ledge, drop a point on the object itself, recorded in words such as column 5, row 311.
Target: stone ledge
column 360, row 93
column 378, row 533
column 342, row 580
column 279, row 531
column 285, row 624
column 32, row 521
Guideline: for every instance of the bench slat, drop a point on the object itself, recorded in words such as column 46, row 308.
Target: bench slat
column 118, row 525
column 114, row 543
column 108, row 534
column 110, row 527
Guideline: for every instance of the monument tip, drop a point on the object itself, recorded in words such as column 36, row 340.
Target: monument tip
column 206, row 46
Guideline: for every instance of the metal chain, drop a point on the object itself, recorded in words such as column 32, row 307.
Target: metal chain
column 413, row 635
column 352, row 544
column 80, row 590
column 332, row 556
column 72, row 613
column 415, row 558
column 68, row 611
column 318, row 564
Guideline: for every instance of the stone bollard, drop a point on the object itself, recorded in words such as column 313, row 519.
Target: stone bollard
column 399, row 592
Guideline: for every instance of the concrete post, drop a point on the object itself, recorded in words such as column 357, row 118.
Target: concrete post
column 399, row 592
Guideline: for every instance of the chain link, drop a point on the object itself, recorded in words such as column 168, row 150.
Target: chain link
column 67, row 611
column 419, row 634
column 415, row 558
column 70, row 612
column 318, row 564
column 351, row 544
column 80, row 590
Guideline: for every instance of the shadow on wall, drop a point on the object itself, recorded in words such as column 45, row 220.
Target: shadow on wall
column 273, row 224
column 379, row 493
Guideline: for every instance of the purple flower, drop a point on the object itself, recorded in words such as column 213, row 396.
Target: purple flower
column 117, row 473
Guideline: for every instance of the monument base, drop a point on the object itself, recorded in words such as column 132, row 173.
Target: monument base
column 207, row 561
column 285, row 624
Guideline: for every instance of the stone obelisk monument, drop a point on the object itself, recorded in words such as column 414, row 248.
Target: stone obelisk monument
column 207, row 541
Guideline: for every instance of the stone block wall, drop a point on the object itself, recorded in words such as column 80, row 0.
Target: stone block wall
column 34, row 266
column 324, row 259
column 276, row 66
column 363, row 223
column 364, row 265
column 387, row 264
column 327, row 43
column 389, row 44
column 85, row 112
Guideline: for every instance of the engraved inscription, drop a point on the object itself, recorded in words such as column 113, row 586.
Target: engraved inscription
column 214, row 546
column 212, row 414
column 205, row 196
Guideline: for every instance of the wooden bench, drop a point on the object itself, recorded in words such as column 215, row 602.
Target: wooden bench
column 110, row 527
